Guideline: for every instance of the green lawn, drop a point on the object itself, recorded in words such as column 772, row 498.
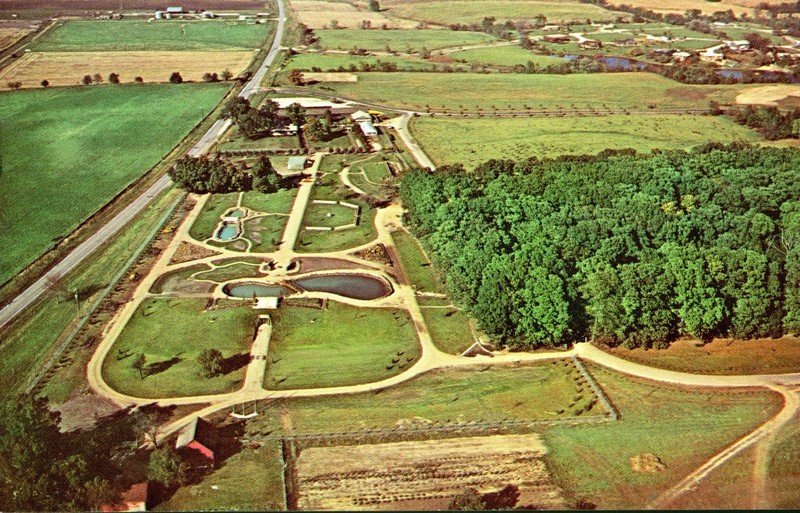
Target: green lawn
column 230, row 272
column 449, row 329
column 376, row 172
column 783, row 469
column 265, row 232
column 417, row 267
column 27, row 341
column 172, row 333
column 471, row 90
column 481, row 393
column 473, row 11
column 341, row 345
column 175, row 280
column 330, row 216
column 399, row 40
column 684, row 427
column 260, row 469
column 127, row 35
column 332, row 62
column 210, row 216
column 67, row 151
column 472, row 141
column 505, row 56
column 279, row 202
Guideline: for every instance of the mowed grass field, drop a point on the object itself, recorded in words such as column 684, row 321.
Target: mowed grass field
column 69, row 68
column 327, row 62
column 165, row 35
column 399, row 40
column 503, row 91
column 473, row 11
column 338, row 346
column 172, row 333
column 683, row 426
column 472, row 141
column 508, row 55
column 66, row 152
column 488, row 393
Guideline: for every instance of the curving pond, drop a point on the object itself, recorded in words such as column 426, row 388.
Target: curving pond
column 228, row 231
column 353, row 286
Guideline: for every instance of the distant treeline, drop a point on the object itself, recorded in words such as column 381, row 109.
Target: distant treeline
column 632, row 249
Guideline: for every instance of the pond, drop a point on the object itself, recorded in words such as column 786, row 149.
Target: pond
column 228, row 231
column 353, row 286
column 250, row 290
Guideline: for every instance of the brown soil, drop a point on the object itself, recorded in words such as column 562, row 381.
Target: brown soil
column 649, row 463
column 187, row 252
column 409, row 475
column 308, row 265
column 376, row 253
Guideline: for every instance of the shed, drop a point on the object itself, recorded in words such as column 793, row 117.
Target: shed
column 266, row 303
column 175, row 10
column 198, row 441
column 295, row 163
column 359, row 116
column 368, row 128
column 132, row 499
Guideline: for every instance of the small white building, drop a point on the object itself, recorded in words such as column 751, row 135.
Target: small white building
column 359, row 116
column 175, row 10
column 368, row 128
column 738, row 46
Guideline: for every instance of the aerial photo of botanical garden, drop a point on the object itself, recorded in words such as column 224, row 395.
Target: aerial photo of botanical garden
column 353, row 255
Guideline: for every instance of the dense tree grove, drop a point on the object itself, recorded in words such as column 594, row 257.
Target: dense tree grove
column 254, row 123
column 202, row 175
column 771, row 122
column 629, row 248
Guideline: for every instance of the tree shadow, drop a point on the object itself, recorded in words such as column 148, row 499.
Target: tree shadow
column 235, row 362
column 159, row 367
column 88, row 291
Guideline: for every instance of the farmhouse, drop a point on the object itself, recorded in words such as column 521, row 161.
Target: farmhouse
column 132, row 499
column 198, row 442
column 738, row 46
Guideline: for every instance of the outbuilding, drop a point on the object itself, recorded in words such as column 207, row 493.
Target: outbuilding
column 296, row 163
column 198, row 442
column 132, row 499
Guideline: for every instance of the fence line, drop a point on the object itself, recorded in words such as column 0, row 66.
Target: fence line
column 597, row 390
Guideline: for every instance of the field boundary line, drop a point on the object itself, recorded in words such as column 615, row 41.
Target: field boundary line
column 597, row 390
column 33, row 382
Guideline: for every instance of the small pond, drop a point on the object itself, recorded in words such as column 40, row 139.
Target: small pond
column 353, row 286
column 250, row 290
column 228, row 231
column 235, row 212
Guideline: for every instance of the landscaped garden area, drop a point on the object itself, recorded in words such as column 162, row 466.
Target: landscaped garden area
column 338, row 346
column 171, row 334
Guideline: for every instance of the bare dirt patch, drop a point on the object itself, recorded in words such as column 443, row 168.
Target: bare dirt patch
column 648, row 463
column 69, row 68
column 318, row 15
column 187, row 252
column 376, row 253
column 405, row 474
column 330, row 77
column 768, row 95
column 721, row 356
column 690, row 93
column 83, row 411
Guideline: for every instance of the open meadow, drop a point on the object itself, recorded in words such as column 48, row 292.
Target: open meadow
column 165, row 35
column 318, row 14
column 473, row 11
column 400, row 40
column 472, row 141
column 507, row 55
column 681, row 426
column 69, row 68
column 66, row 152
column 518, row 91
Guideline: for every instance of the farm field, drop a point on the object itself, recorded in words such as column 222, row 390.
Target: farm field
column 76, row 175
column 490, row 393
column 426, row 472
column 783, row 469
column 721, row 356
column 472, row 141
column 473, row 90
column 327, row 62
column 319, row 14
column 680, row 6
column 167, row 35
column 473, row 11
column 172, row 333
column 94, row 5
column 400, row 40
column 681, row 426
column 508, row 55
column 69, row 68
column 338, row 346
column 11, row 34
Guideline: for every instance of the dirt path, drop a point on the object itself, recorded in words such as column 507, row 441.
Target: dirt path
column 400, row 124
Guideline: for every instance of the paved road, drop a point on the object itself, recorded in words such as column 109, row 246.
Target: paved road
column 400, row 124
column 90, row 245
